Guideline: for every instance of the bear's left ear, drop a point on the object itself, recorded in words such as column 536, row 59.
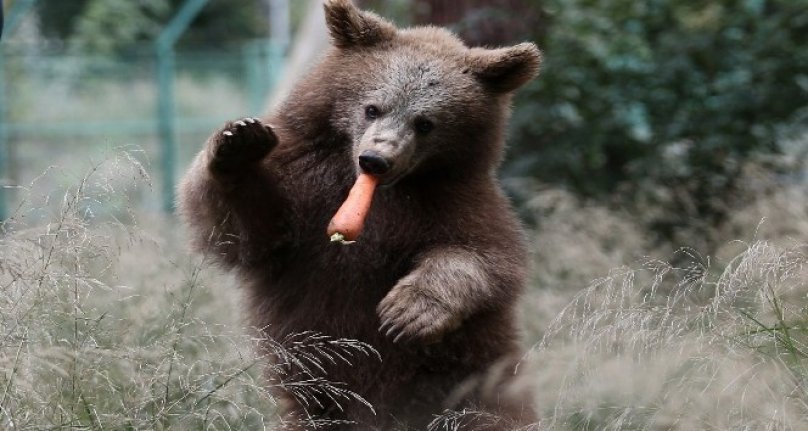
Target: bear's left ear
column 350, row 27
column 505, row 69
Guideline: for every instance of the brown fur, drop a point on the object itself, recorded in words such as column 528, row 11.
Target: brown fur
column 432, row 281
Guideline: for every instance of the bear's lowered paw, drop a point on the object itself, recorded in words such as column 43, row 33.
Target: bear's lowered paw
column 240, row 144
column 412, row 313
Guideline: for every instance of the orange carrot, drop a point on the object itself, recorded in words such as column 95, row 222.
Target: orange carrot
column 348, row 221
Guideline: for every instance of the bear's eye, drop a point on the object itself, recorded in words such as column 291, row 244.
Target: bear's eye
column 372, row 112
column 424, row 126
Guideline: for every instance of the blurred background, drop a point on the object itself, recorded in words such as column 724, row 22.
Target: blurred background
column 663, row 108
column 659, row 162
column 81, row 77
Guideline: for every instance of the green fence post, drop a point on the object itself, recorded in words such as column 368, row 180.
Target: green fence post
column 166, row 120
column 18, row 9
column 279, row 37
column 252, row 58
column 3, row 141
column 165, row 123
column 260, row 58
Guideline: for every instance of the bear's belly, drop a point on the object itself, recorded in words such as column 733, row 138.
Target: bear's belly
column 329, row 288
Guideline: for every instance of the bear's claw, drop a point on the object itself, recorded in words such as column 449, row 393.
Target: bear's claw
column 241, row 143
column 407, row 314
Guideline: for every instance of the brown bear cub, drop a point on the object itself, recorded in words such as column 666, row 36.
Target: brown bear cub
column 432, row 281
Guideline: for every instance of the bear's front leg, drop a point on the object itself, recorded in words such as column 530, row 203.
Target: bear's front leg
column 229, row 197
column 446, row 286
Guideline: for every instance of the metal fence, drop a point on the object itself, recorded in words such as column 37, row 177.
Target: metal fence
column 68, row 109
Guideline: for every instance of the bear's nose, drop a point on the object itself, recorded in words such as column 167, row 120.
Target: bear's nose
column 373, row 163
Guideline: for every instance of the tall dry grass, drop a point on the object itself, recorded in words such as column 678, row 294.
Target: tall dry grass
column 108, row 323
column 710, row 342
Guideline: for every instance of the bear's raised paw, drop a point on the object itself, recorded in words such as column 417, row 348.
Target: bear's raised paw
column 410, row 314
column 240, row 144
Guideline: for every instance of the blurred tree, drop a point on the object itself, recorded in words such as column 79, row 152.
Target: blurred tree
column 482, row 22
column 57, row 19
column 662, row 101
column 223, row 22
column 120, row 26
column 113, row 26
column 477, row 22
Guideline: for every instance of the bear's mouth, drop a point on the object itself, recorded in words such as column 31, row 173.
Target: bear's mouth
column 386, row 180
column 386, row 169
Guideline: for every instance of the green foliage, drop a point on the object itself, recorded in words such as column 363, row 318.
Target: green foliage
column 664, row 95
column 111, row 27
column 106, row 27
column 57, row 19
column 223, row 22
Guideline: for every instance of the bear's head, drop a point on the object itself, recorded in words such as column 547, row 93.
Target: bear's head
column 418, row 100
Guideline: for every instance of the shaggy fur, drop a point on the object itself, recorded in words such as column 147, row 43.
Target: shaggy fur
column 432, row 281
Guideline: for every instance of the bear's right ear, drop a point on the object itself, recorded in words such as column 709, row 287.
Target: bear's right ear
column 505, row 69
column 350, row 27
